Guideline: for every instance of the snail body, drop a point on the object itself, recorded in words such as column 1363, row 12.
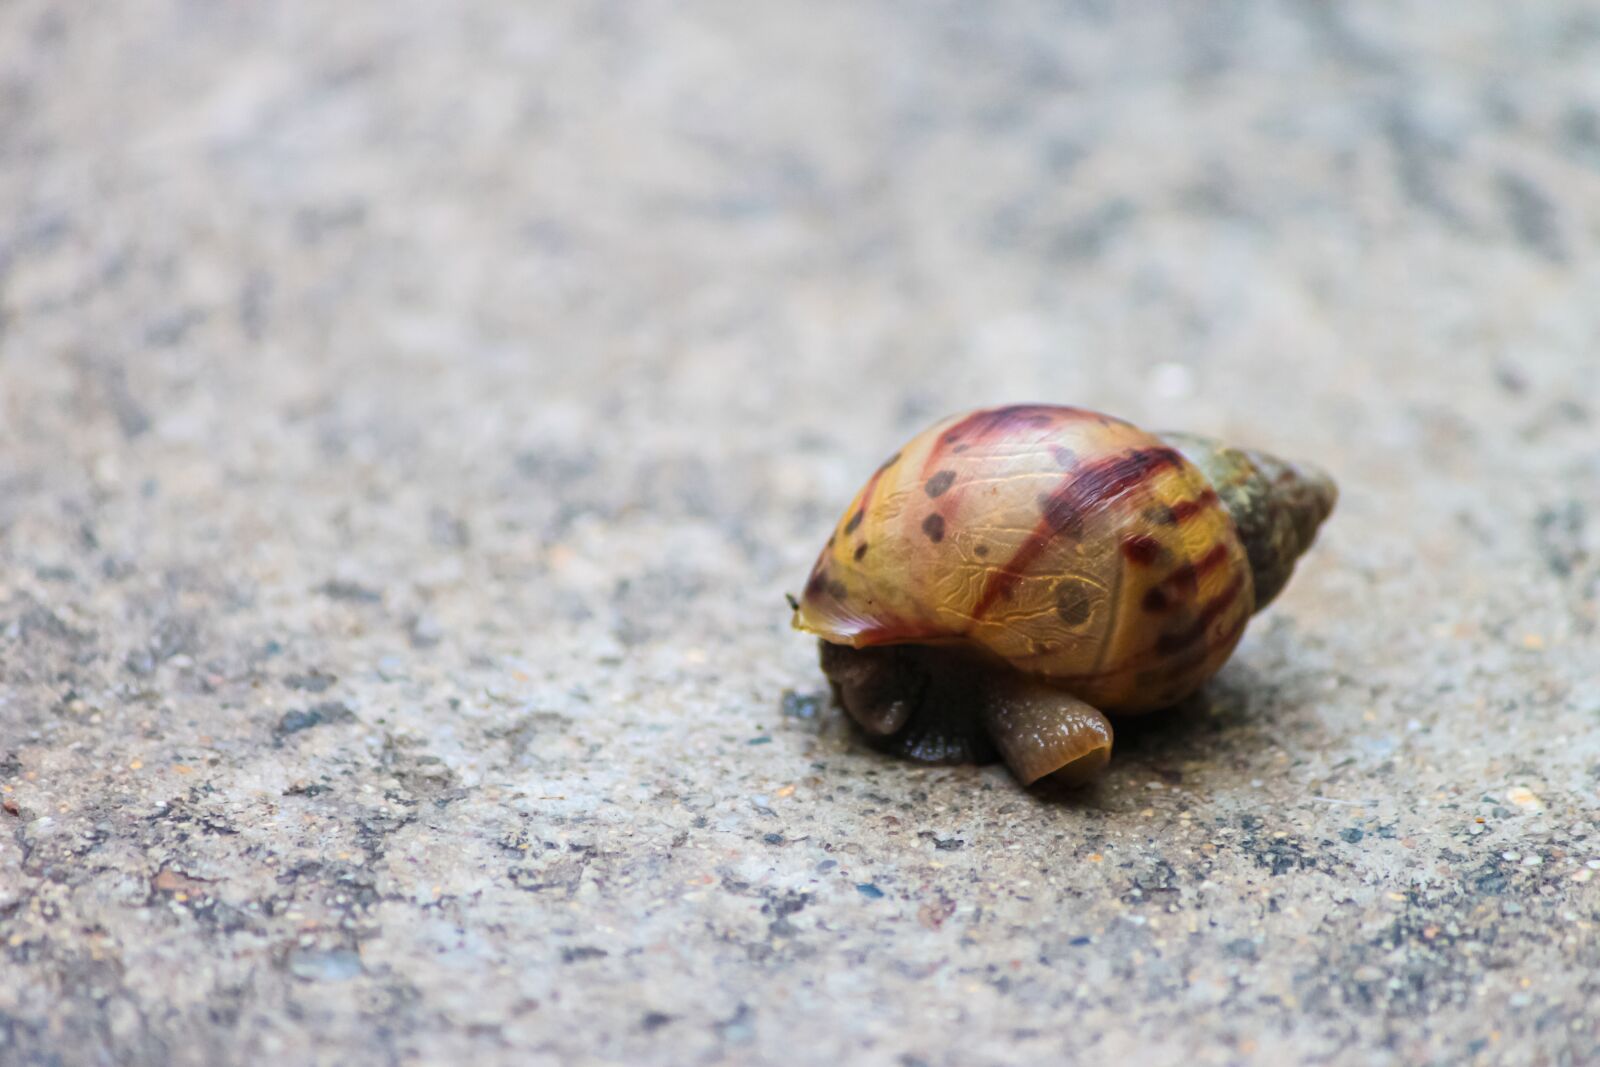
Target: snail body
column 1012, row 573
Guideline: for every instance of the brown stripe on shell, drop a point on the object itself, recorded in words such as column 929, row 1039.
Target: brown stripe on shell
column 997, row 422
column 816, row 584
column 866, row 495
column 1184, row 581
column 1154, row 657
column 1197, row 659
column 1184, row 510
column 1082, row 491
column 1187, row 577
column 991, row 422
column 1178, row 640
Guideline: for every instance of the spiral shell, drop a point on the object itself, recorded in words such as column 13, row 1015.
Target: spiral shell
column 1072, row 546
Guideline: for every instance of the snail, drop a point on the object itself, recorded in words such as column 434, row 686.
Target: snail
column 1012, row 574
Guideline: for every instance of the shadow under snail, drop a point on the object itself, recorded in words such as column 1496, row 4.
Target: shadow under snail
column 1013, row 573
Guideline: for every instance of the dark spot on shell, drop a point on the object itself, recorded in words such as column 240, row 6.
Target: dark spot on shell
column 855, row 521
column 1161, row 515
column 837, row 590
column 1142, row 549
column 960, row 448
column 1156, row 600
column 1065, row 456
column 816, row 584
column 861, row 550
column 933, row 526
column 980, row 551
column 939, row 483
column 1073, row 603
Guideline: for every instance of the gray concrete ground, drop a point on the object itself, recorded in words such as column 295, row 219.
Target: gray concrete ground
column 414, row 413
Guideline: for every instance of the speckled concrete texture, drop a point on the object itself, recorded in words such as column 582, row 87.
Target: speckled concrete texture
column 414, row 414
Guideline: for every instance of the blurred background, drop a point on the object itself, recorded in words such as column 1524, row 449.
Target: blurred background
column 411, row 415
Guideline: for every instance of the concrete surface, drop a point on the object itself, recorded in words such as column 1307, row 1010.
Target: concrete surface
column 414, row 413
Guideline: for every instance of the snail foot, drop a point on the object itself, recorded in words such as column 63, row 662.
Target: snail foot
column 1042, row 731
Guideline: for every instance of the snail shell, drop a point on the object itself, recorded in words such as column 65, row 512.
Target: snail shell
column 1012, row 572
